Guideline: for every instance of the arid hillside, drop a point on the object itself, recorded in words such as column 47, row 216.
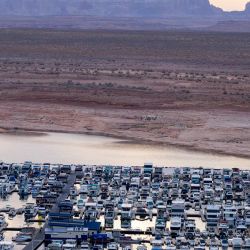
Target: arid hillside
column 188, row 89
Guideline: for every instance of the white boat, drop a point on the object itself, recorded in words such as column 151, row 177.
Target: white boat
column 7, row 188
column 83, row 189
column 30, row 211
column 141, row 247
column 42, row 211
column 247, row 216
column 85, row 246
column 123, row 192
column 80, row 203
column 73, row 192
column 23, row 190
column 126, row 215
column 190, row 229
column 157, row 243
column 3, row 179
column 55, row 245
column 224, row 244
column 171, row 247
column 22, row 238
column 12, row 213
column 212, row 215
column 128, row 247
column 100, row 205
column 247, row 243
column 150, row 203
column 6, row 209
column 91, row 211
column 160, row 224
column 20, row 210
column 237, row 243
column 175, row 226
column 178, row 208
column 35, row 192
column 199, row 247
column 113, row 246
column 230, row 214
column 3, row 189
column 6, row 245
column 70, row 244
column 109, row 218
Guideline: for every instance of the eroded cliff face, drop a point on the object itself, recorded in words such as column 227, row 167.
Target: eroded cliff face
column 247, row 10
column 136, row 8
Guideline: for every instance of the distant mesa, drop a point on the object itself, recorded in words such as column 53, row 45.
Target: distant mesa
column 115, row 8
column 119, row 14
column 247, row 10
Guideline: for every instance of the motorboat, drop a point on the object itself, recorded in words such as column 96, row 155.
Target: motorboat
column 30, row 211
column 224, row 244
column 85, row 246
column 12, row 213
column 55, row 245
column 113, row 246
column 175, row 226
column 141, row 247
column 80, row 203
column 70, row 244
column 22, row 238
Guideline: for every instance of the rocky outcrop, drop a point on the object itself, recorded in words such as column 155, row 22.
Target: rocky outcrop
column 247, row 10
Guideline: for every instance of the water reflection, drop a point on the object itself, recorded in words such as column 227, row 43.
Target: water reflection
column 13, row 200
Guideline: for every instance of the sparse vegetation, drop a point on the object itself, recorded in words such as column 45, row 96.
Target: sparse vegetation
column 131, row 84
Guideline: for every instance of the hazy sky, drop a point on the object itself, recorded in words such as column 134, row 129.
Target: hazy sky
column 230, row 4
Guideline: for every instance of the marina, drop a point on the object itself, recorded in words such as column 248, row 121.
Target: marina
column 67, row 206
column 125, row 125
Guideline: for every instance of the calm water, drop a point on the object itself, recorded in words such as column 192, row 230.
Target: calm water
column 87, row 149
column 18, row 221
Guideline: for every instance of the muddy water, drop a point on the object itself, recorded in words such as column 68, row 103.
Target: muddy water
column 88, row 149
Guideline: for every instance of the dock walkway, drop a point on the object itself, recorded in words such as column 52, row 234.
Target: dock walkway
column 39, row 236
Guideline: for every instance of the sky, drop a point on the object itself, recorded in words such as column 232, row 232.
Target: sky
column 229, row 5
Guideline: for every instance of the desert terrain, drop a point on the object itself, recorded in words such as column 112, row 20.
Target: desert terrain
column 187, row 89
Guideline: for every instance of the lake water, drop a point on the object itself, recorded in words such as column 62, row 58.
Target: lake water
column 88, row 149
column 18, row 221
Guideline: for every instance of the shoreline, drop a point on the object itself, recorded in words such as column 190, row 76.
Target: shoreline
column 123, row 140
column 183, row 91
column 22, row 132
